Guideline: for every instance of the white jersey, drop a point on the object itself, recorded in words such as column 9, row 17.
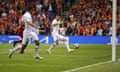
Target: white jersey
column 28, row 32
column 55, row 32
column 55, row 28
column 27, row 17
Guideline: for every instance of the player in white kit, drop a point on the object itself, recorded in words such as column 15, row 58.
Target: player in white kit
column 29, row 34
column 57, row 36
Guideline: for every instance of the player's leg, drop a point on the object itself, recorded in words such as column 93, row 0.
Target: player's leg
column 18, row 47
column 23, row 47
column 66, row 43
column 37, row 56
column 54, row 44
column 24, row 42
column 17, row 41
column 11, row 51
column 36, row 39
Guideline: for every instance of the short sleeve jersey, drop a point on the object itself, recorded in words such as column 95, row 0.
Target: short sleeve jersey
column 27, row 17
column 55, row 28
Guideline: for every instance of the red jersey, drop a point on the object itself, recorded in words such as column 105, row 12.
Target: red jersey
column 20, row 32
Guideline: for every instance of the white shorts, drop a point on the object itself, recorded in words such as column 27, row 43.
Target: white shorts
column 29, row 35
column 57, row 36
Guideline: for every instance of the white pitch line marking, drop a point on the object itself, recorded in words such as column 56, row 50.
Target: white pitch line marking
column 79, row 68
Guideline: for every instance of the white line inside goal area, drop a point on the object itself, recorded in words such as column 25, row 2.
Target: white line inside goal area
column 84, row 67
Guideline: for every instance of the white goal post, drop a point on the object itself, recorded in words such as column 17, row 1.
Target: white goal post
column 114, row 13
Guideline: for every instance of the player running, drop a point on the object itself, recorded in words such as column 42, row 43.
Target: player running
column 28, row 34
column 20, row 34
column 57, row 36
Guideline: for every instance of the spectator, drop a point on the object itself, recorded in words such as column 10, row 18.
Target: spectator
column 94, row 16
column 42, row 30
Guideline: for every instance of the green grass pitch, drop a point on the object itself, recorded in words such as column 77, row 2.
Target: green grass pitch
column 60, row 60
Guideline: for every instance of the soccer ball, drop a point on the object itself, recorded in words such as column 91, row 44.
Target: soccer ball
column 76, row 45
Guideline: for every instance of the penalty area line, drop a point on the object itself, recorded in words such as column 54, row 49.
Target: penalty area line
column 88, row 66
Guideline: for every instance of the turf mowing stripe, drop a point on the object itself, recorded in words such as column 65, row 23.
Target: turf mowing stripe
column 3, row 52
column 84, row 67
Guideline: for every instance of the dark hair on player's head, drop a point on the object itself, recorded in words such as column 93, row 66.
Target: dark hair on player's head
column 30, row 7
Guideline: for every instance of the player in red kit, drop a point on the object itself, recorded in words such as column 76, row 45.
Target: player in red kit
column 20, row 34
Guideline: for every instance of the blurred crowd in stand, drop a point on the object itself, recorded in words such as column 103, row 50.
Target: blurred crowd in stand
column 79, row 17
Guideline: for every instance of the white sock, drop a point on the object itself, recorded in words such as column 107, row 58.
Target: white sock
column 51, row 47
column 36, row 49
column 16, row 48
column 67, row 46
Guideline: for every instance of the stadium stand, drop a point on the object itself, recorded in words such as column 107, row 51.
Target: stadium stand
column 80, row 17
